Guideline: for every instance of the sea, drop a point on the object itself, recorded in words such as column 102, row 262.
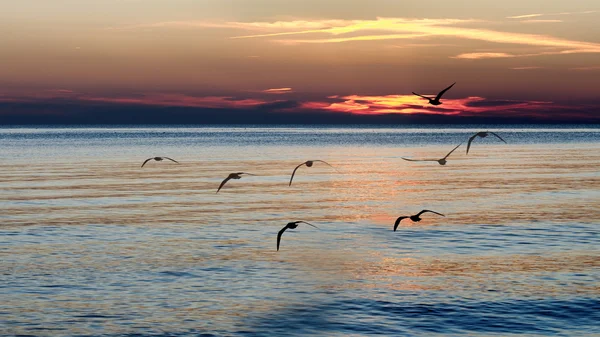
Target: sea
column 92, row 244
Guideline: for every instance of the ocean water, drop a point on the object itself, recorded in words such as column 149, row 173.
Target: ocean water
column 93, row 245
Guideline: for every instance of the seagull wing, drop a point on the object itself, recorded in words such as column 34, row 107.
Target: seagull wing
column 419, row 159
column 499, row 137
column 324, row 162
column 398, row 222
column 307, row 224
column 470, row 141
column 147, row 160
column 279, row 236
column 295, row 173
column 426, row 210
column 223, row 183
column 449, row 153
column 173, row 160
column 437, row 98
column 414, row 93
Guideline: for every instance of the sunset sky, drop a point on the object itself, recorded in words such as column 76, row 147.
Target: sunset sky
column 511, row 58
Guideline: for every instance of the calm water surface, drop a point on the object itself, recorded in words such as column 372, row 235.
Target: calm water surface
column 91, row 244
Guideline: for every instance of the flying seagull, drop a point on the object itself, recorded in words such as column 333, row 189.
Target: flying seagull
column 482, row 135
column 290, row 225
column 415, row 218
column 237, row 175
column 436, row 100
column 440, row 161
column 159, row 159
column 308, row 164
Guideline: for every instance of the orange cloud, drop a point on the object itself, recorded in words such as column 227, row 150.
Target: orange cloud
column 286, row 32
column 355, row 38
column 489, row 55
column 404, row 104
column 256, row 26
column 542, row 21
column 402, row 28
column 410, row 104
column 476, row 56
column 526, row 16
column 277, row 91
column 403, row 25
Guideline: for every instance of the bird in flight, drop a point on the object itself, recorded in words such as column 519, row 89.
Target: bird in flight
column 159, row 159
column 442, row 161
column 237, row 175
column 436, row 100
column 415, row 218
column 482, row 135
column 308, row 164
column 291, row 225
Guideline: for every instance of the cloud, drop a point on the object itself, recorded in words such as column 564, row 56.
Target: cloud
column 344, row 31
column 524, row 16
column 476, row 56
column 527, row 16
column 402, row 104
column 460, row 107
column 419, row 45
column 355, row 38
column 151, row 99
column 542, row 21
column 54, row 107
column 252, row 26
column 61, row 91
column 404, row 25
column 490, row 55
column 403, row 28
column 277, row 91
column 585, row 68
column 526, row 68
column 180, row 100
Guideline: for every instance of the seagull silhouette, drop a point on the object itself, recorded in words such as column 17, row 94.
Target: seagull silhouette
column 440, row 161
column 159, row 159
column 290, row 225
column 415, row 218
column 436, row 100
column 237, row 175
column 308, row 164
column 482, row 135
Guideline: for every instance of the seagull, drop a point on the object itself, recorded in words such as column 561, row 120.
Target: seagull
column 159, row 159
column 440, row 161
column 237, row 175
column 482, row 135
column 415, row 218
column 290, row 225
column 308, row 164
column 436, row 100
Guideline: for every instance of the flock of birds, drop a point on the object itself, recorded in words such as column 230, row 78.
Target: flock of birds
column 310, row 163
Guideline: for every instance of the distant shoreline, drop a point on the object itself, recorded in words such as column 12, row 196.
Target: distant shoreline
column 494, row 124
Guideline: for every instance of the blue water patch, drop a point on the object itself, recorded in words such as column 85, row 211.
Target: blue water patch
column 394, row 318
